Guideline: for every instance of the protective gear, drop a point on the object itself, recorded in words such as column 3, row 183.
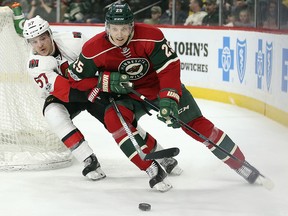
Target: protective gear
column 169, row 99
column 119, row 14
column 93, row 94
column 249, row 173
column 93, row 169
column 158, row 177
column 112, row 82
column 168, row 107
column 170, row 165
column 35, row 27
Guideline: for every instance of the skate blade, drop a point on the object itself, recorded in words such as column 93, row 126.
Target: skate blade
column 96, row 176
column 176, row 171
column 163, row 186
column 265, row 182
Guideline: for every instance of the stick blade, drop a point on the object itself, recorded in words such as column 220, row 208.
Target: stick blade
column 165, row 153
column 266, row 182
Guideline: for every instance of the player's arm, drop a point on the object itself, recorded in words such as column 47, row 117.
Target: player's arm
column 43, row 70
column 166, row 64
column 64, row 92
column 85, row 75
column 83, row 68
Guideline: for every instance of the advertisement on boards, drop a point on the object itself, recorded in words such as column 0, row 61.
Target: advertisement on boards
column 253, row 64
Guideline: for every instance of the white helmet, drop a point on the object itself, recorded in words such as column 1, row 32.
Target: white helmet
column 35, row 27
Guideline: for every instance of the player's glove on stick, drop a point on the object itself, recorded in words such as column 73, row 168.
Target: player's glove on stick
column 168, row 105
column 113, row 82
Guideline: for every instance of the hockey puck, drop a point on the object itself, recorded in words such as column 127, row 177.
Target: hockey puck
column 144, row 206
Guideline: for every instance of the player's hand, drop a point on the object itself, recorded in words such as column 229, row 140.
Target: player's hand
column 113, row 82
column 168, row 106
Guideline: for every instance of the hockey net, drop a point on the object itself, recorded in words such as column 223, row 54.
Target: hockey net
column 25, row 140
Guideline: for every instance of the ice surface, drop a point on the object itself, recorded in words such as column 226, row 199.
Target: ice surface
column 207, row 187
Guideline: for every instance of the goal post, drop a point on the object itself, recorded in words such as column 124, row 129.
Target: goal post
column 26, row 143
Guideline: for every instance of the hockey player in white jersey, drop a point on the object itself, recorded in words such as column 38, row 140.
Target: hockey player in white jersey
column 48, row 62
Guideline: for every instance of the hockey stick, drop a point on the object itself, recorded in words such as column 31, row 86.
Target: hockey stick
column 269, row 185
column 183, row 124
column 171, row 152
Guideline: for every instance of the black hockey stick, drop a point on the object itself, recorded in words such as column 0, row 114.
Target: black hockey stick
column 171, row 152
column 183, row 124
column 266, row 182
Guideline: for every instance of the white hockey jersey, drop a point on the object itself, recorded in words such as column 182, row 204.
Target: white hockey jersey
column 49, row 72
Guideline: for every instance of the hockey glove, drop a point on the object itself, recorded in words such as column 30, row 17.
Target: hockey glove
column 113, row 82
column 168, row 105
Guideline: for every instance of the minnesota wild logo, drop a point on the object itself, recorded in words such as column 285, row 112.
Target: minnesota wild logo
column 136, row 68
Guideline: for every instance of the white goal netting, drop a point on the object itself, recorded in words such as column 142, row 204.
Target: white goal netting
column 25, row 140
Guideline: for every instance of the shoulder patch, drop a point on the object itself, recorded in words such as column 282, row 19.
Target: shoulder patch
column 33, row 63
column 77, row 34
